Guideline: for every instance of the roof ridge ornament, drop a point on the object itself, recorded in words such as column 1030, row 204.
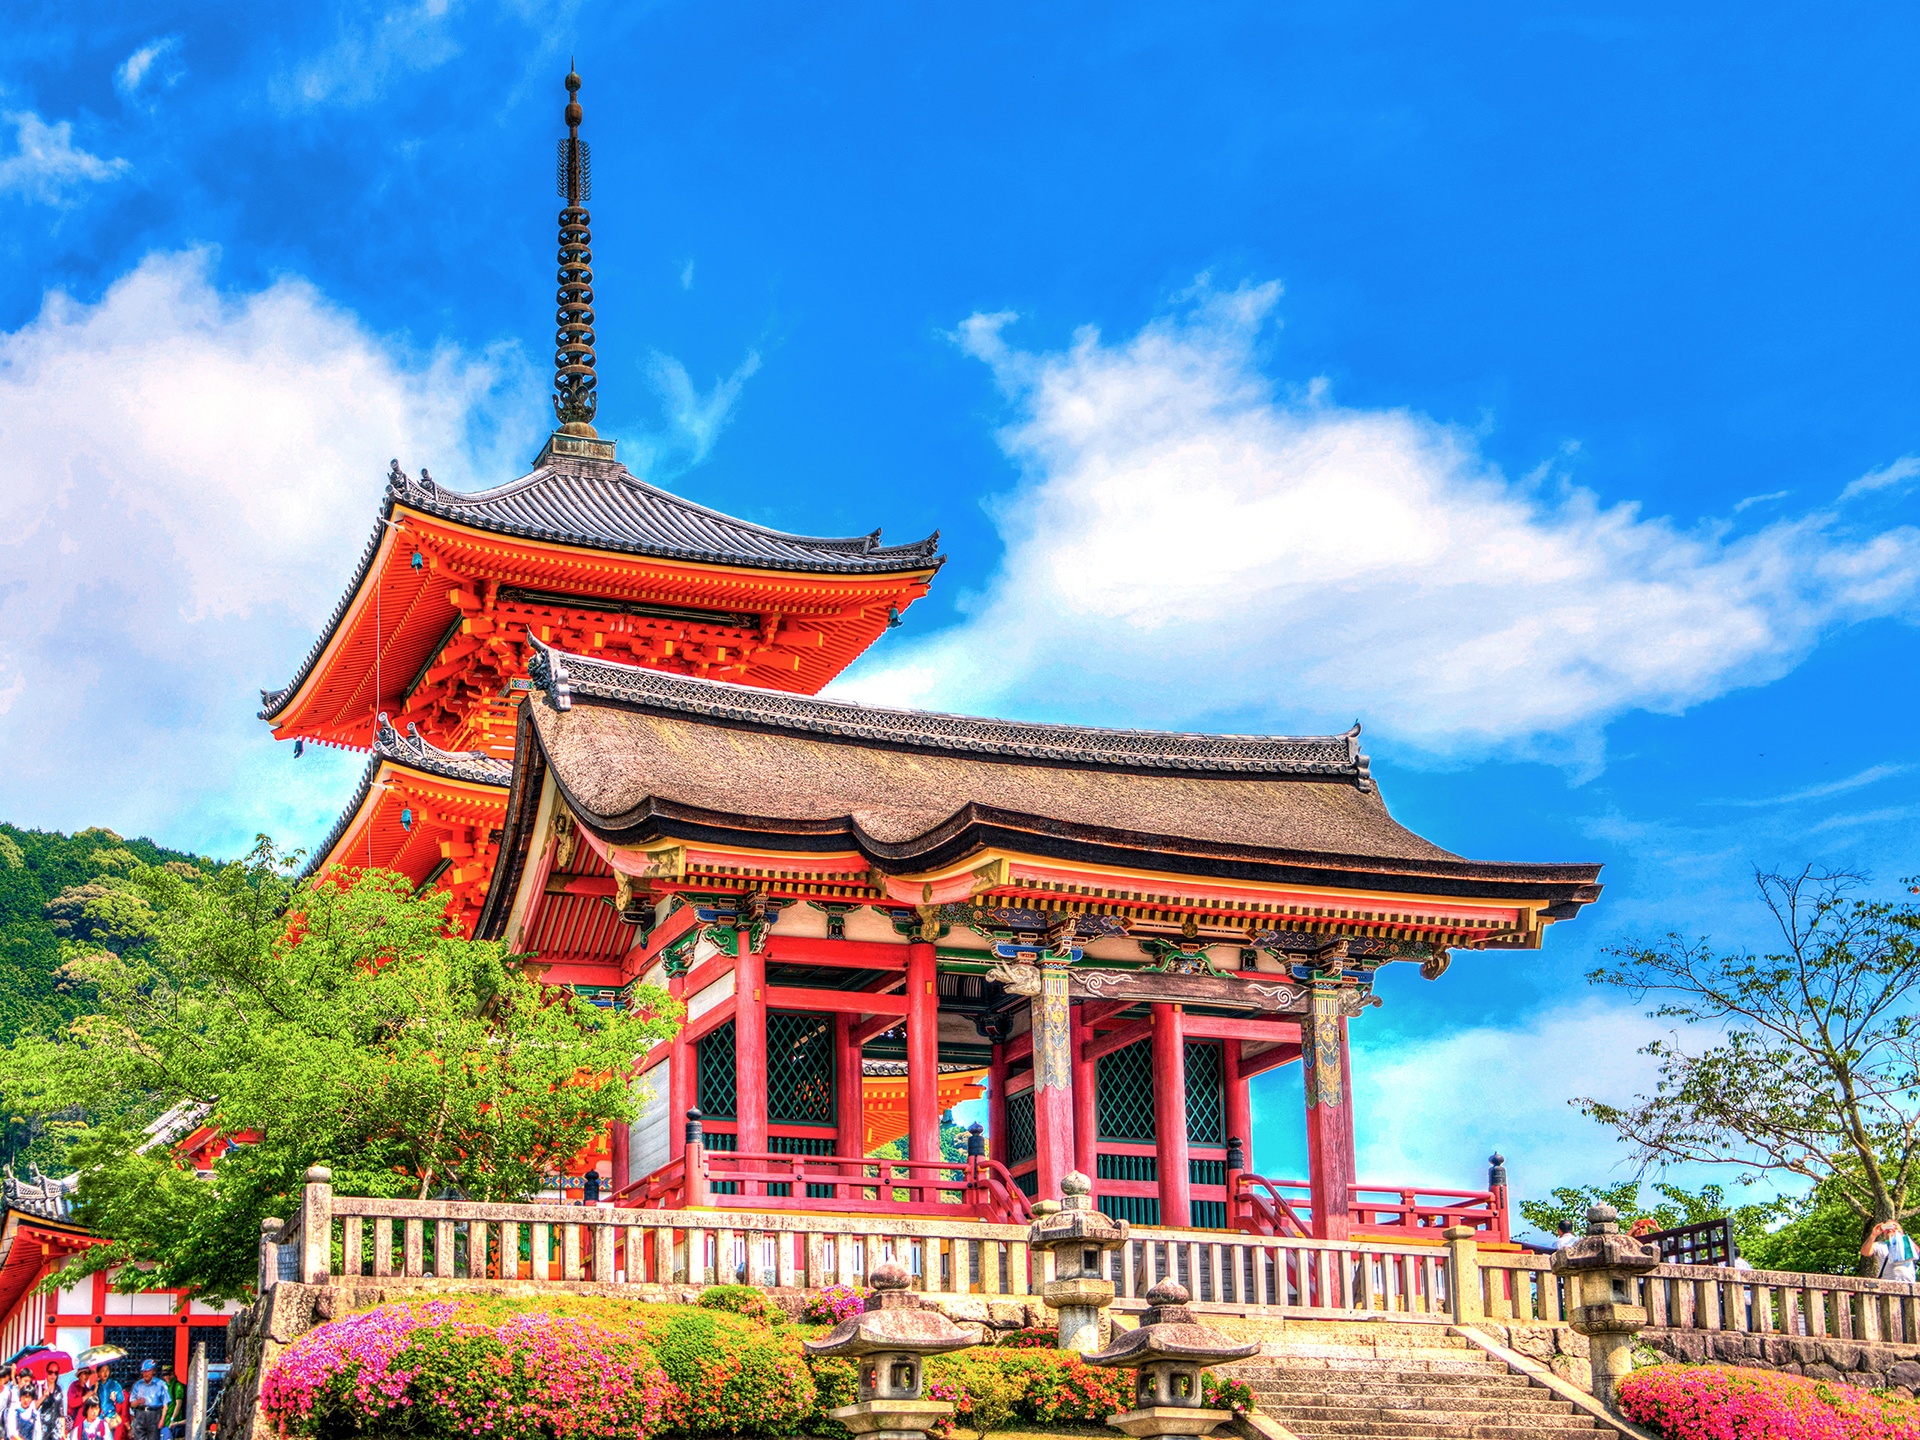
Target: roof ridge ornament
column 574, row 385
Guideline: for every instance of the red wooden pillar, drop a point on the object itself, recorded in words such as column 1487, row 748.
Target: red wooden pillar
column 849, row 1083
column 1239, row 1101
column 750, row 1048
column 1346, row 1110
column 1329, row 1156
column 923, row 1054
column 1170, row 1114
column 1086, row 1124
column 617, row 1143
column 682, row 1088
column 1052, row 1078
column 997, row 1105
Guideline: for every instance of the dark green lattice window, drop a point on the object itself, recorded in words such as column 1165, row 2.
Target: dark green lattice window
column 1206, row 1113
column 717, row 1080
column 1144, row 1169
column 1125, row 1089
column 1020, row 1145
column 1206, row 1172
column 1134, row 1209
column 799, row 1068
column 724, row 1142
column 1209, row 1215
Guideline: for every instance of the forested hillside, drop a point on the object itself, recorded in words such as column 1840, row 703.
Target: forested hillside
column 56, row 888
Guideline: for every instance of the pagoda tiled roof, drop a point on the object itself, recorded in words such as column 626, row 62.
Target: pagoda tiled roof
column 475, row 767
column 600, row 505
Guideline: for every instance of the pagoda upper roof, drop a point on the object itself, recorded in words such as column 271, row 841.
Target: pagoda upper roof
column 599, row 505
column 647, row 759
column 410, row 752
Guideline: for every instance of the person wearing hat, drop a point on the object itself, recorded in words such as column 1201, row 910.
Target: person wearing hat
column 148, row 1402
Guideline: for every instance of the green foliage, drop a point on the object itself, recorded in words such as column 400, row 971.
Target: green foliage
column 318, row 1024
column 744, row 1300
column 1812, row 1071
column 733, row 1374
column 993, row 1395
column 1676, row 1207
column 1821, row 1237
column 1050, row 1387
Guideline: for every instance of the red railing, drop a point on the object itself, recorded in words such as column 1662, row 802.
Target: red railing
column 973, row 1189
column 1260, row 1206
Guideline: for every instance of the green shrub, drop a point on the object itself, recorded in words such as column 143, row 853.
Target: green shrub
column 742, row 1300
column 733, row 1375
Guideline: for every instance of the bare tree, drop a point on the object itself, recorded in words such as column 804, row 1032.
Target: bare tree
column 1815, row 1070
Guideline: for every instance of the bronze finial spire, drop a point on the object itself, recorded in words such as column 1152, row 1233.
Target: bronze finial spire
column 574, row 401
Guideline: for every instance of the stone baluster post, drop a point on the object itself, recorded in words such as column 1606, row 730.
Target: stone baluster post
column 316, row 1227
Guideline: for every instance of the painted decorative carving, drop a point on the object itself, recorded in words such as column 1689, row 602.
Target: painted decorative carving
column 1018, row 979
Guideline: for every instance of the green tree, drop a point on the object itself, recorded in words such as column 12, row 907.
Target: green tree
column 1813, row 1070
column 1674, row 1208
column 313, row 1023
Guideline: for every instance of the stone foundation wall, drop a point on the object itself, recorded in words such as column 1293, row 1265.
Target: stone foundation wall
column 1852, row 1362
column 1555, row 1346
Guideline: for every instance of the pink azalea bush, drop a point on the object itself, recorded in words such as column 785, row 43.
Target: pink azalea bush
column 436, row 1369
column 1720, row 1402
column 835, row 1303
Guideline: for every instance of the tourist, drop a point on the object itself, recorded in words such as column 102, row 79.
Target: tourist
column 83, row 1387
column 113, row 1402
column 176, row 1412
column 1567, row 1237
column 1888, row 1244
column 23, row 1412
column 93, row 1425
column 148, row 1402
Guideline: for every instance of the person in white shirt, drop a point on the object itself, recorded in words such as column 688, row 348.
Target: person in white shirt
column 1888, row 1244
column 1567, row 1237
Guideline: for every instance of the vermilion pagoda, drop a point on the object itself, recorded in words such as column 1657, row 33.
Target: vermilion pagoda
column 590, row 709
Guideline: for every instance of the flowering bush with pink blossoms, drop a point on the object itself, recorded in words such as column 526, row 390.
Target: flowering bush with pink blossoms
column 438, row 1369
column 1720, row 1402
column 835, row 1303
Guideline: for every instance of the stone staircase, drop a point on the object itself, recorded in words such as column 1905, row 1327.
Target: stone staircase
column 1332, row 1380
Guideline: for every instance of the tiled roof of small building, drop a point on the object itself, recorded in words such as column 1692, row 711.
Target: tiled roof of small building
column 473, row 766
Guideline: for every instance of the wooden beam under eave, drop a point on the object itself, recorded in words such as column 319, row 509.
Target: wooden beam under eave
column 1117, row 1039
column 1096, row 1013
column 1220, row 1027
column 851, row 1002
column 1269, row 1060
column 869, row 1029
column 1020, row 1047
column 711, row 1020
column 848, row 954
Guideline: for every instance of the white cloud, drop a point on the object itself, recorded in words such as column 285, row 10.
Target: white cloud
column 145, row 63
column 1905, row 468
column 369, row 51
column 1191, row 544
column 189, row 477
column 694, row 417
column 686, row 277
column 1433, row 1109
column 1872, row 775
column 1751, row 500
column 46, row 165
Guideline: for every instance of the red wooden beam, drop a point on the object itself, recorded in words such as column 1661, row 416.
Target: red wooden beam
column 580, row 885
column 879, row 1025
column 1117, row 1039
column 823, row 950
column 678, row 923
column 850, row 1002
column 1223, row 1027
column 1101, row 1013
column 1020, row 1047
column 705, row 974
column 1268, row 1060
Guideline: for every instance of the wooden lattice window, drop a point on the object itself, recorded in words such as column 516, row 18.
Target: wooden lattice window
column 1125, row 1090
column 799, row 1068
column 1134, row 1209
column 1020, row 1138
column 1206, row 1109
column 718, row 1086
column 1206, row 1172
column 1143, row 1169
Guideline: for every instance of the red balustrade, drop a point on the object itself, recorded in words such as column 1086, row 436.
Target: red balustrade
column 1260, row 1206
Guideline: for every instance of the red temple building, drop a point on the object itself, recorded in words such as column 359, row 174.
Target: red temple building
column 591, row 712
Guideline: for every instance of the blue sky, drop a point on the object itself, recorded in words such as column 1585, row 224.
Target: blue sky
column 1536, row 385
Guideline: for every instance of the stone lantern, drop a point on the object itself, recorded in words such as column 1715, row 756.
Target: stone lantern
column 1599, row 1269
column 1079, row 1236
column 889, row 1343
column 1168, row 1354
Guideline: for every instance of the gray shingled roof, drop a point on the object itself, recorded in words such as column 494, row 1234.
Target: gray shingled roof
column 599, row 505
column 474, row 766
column 564, row 676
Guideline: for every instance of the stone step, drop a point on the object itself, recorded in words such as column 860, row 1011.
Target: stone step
column 1438, row 1364
column 1413, row 1430
column 1349, row 1381
column 1425, row 1338
column 1468, row 1412
column 1410, row 1398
